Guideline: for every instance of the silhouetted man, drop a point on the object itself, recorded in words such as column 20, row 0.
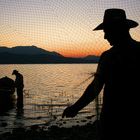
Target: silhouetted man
column 19, row 84
column 118, row 72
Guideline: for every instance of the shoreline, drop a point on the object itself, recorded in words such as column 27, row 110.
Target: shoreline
column 84, row 129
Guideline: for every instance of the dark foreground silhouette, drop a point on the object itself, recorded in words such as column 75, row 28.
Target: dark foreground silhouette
column 86, row 132
column 118, row 72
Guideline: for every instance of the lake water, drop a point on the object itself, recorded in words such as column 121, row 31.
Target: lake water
column 49, row 88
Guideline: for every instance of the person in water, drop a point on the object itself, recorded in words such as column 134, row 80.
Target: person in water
column 118, row 73
column 19, row 85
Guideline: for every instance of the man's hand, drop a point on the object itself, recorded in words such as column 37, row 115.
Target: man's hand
column 69, row 112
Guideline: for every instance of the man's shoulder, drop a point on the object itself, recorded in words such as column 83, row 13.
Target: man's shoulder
column 107, row 53
column 105, row 56
column 20, row 75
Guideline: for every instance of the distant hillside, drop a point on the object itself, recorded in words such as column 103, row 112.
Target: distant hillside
column 28, row 50
column 92, row 58
column 35, row 55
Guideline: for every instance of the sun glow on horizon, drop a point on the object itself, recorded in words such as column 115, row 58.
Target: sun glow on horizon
column 61, row 26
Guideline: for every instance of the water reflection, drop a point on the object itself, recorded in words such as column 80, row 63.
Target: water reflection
column 19, row 113
column 48, row 90
column 19, row 118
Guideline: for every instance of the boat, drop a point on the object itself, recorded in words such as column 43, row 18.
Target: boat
column 7, row 96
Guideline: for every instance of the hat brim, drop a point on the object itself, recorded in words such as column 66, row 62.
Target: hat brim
column 130, row 23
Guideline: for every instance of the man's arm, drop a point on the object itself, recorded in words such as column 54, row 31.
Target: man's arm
column 89, row 95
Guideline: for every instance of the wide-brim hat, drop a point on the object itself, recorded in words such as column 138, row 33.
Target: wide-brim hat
column 115, row 17
column 14, row 72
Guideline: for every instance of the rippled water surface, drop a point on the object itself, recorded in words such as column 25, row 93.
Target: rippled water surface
column 49, row 88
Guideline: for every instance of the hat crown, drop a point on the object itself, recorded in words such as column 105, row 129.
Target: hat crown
column 116, row 18
column 114, row 15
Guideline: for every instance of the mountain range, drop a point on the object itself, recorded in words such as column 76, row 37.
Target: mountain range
column 36, row 55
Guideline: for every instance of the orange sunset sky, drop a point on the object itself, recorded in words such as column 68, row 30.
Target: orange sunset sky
column 64, row 26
